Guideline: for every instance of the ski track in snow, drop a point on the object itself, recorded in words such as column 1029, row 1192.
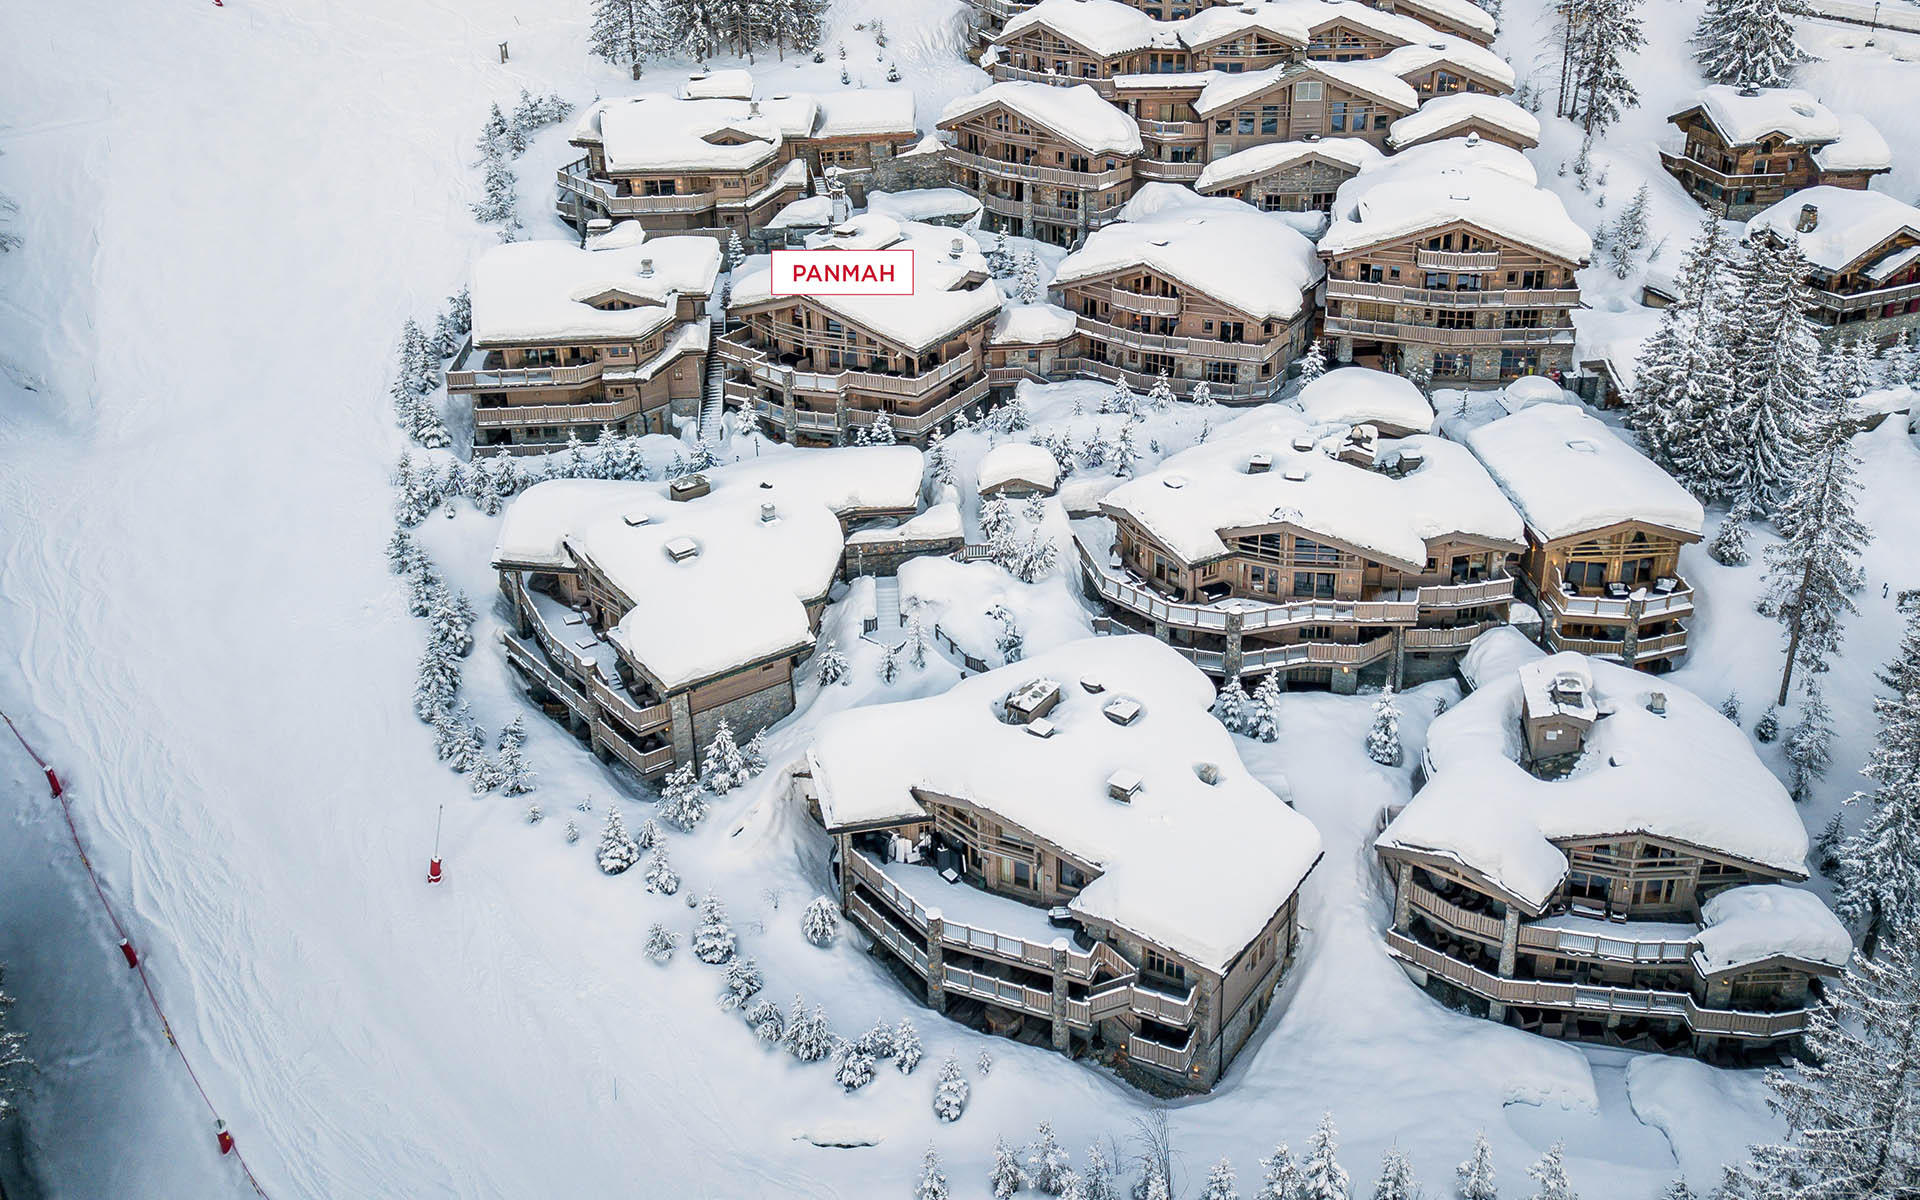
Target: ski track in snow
column 229, row 212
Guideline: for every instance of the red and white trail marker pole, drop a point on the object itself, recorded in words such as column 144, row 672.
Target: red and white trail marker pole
column 225, row 1139
column 433, row 867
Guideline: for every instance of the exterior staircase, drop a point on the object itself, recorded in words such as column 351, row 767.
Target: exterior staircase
column 713, row 400
column 886, row 621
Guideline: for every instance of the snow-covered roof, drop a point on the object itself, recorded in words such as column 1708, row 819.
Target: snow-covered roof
column 1102, row 27
column 1284, row 22
column 1478, row 109
column 1077, row 113
column 718, row 85
column 656, row 132
column 1256, row 161
column 952, row 288
column 1531, row 389
column 941, row 522
column 1447, row 50
column 1689, row 776
column 1458, row 153
column 1363, row 78
column 808, row 212
column 1401, row 200
column 1496, row 654
column 741, row 596
column 1746, row 925
column 1858, row 148
column 1191, row 497
column 1568, row 474
column 1850, row 224
column 1018, row 462
column 1031, row 325
column 1614, row 338
column 1745, row 116
column 539, row 291
column 923, row 204
column 1194, row 867
column 865, row 112
column 1363, row 396
column 1463, row 13
column 1223, row 248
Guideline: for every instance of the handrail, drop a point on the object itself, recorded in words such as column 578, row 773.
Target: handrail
column 1541, row 335
column 1085, row 181
column 1393, row 293
column 1653, row 603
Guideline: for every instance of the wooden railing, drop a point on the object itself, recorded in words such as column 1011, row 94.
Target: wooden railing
column 1171, row 129
column 531, row 663
column 506, row 377
column 1139, row 302
column 1490, row 590
column 1170, row 1009
column 1166, row 343
column 1599, row 945
column 1084, row 181
column 883, row 930
column 1145, row 1050
column 1139, row 381
column 1446, row 637
column 1654, row 603
column 1153, row 169
column 620, row 706
column 1847, row 302
column 1674, row 156
column 1544, row 335
column 513, row 416
column 1000, row 991
column 754, row 360
column 1456, row 260
column 1355, row 654
column 1003, row 71
column 1651, row 646
column 1393, row 293
column 1483, row 925
column 1640, row 1002
column 1255, row 616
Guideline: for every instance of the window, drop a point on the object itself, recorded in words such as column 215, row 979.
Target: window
column 1305, row 551
column 1160, row 964
column 1454, row 318
column 1307, row 89
column 1269, row 118
column 1436, row 281
column 1586, row 574
column 1519, row 362
column 1233, row 331
column 1313, row 584
column 1221, row 372
column 1337, row 116
column 1523, row 318
column 1452, row 365
column 1246, row 121
column 1071, row 876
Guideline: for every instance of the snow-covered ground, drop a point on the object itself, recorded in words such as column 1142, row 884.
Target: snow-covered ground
column 199, row 627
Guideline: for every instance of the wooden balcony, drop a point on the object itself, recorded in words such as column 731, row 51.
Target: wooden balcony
column 1393, row 293
column 1188, row 347
column 883, row 930
column 1003, row 71
column 1567, row 943
column 1829, row 304
column 1171, row 1058
column 1250, row 391
column 1434, row 335
column 489, row 378
column 1446, row 637
column 1491, row 590
column 647, row 764
column 1082, row 181
column 533, row 416
column 1153, row 170
column 1004, row 992
column 1674, row 157
column 1171, row 130
column 757, row 362
column 1140, row 302
column 830, row 421
column 1648, row 647
column 1456, row 260
column 1483, row 926
column 532, row 664
column 1656, row 603
column 1167, row 1008
column 1316, row 654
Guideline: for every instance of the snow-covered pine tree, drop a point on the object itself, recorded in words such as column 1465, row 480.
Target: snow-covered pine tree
column 448, row 623
column 1011, row 642
column 985, row 1062
column 713, row 940
column 1853, row 1128
column 1631, row 231
column 1036, row 558
column 1767, row 728
column 820, row 921
column 1549, row 1176
column 907, row 1049
column 1160, row 395
column 413, row 493
column 1729, row 544
column 1396, row 1180
column 889, row 669
column 660, row 942
column 499, row 205
column 1202, row 396
column 1126, row 451
column 1730, row 707
column 1813, row 575
column 468, row 747
column 1682, row 389
column 1321, row 1176
column 1280, row 1176
column 516, row 774
column 1809, row 742
column 755, row 753
column 1383, row 740
column 1048, row 1161
column 1313, row 364
column 996, row 520
column 1231, row 706
column 1097, row 1182
column 1000, row 260
column 933, row 1181
column 1620, row 258
column 1264, row 717
column 950, row 1093
column 1093, row 451
column 535, row 814
column 831, row 665
column 687, row 30
column 1476, row 1181
column 1026, row 284
column 1775, row 355
column 486, row 776
column 764, row 1019
column 744, row 981
column 1609, row 36
column 1155, row 1186
column 1826, row 847
column 617, row 849
column 660, row 877
column 438, row 681
column 1879, row 867
column 1748, row 43
column 1220, row 1183
column 403, row 555
column 736, row 250
column 445, row 732
column 1006, row 1177
column 1678, row 1190
column 723, row 767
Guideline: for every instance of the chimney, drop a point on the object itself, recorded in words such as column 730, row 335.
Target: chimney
column 841, row 209
column 1259, row 464
column 956, row 249
column 1809, row 218
column 1657, row 703
column 768, row 513
column 1473, row 137
column 646, row 268
column 753, row 108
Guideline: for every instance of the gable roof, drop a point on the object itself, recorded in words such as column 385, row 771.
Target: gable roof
column 1404, row 198
column 1077, row 114
column 1568, row 474
column 527, row 292
column 1852, row 225
column 1361, row 78
column 1442, row 115
column 1255, row 161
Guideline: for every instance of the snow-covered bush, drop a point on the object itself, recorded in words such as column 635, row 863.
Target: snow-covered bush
column 682, row 802
column 1383, row 740
column 1048, row 1163
column 820, row 921
column 713, row 940
column 617, row 848
column 764, row 1019
column 660, row 878
column 853, row 1067
column 660, row 942
column 744, row 981
column 907, row 1050
column 831, row 665
column 950, row 1093
column 806, row 1036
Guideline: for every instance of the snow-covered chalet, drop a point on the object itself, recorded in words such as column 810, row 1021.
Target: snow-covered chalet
column 1743, row 149
column 1863, row 254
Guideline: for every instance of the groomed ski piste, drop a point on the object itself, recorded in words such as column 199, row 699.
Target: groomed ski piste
column 227, row 213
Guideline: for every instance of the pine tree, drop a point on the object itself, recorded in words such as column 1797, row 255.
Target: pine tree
column 1632, row 228
column 448, row 623
column 683, row 802
column 820, row 921
column 516, row 775
column 1026, row 286
column 414, row 494
column 617, row 848
column 1730, row 707
column 1620, row 259
column 831, row 666
column 1748, row 43
column 1313, row 364
column 807, row 1037
column 1383, row 740
column 1321, row 1177
column 764, row 1019
column 1476, row 1174
column 1853, row 1127
column 1880, row 866
column 1682, row 389
column 1396, row 1180
column 1609, row 36
column 1048, row 1162
column 660, row 878
column 1281, row 1178
column 736, row 251
column 1220, row 1183
column 438, row 680
column 1000, row 261
column 907, row 1050
column 1677, row 1190
column 1775, row 357
column 933, row 1181
column 950, row 1094
column 687, row 29
column 1202, row 397
column 744, row 981
column 1826, row 847
column 467, row 748
column 1550, row 1176
column 500, row 204
column 1160, row 396
column 1767, row 728
column 713, row 941
column 1729, row 544
column 1809, row 742
column 1231, row 706
column 1126, row 452
column 1011, row 643
column 1264, row 716
column 723, row 767
column 1006, row 1178
column 487, row 777
column 889, row 665
column 660, row 943
column 1154, row 1184
column 402, row 554
column 1097, row 1183
column 1813, row 575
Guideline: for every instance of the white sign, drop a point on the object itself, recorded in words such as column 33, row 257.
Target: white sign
column 843, row 272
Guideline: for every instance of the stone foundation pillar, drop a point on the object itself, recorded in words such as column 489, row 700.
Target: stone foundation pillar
column 1397, row 659
column 1345, row 681
column 1630, row 640
column 1403, row 897
column 1062, row 1035
column 680, row 728
column 1231, row 660
column 936, row 962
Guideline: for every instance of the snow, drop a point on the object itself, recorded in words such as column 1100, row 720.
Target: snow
column 1498, row 652
column 1447, row 50
column 1224, row 249
column 923, row 204
column 1744, row 119
column 718, row 85
column 1018, row 462
column 1445, row 112
column 1531, row 389
column 1282, row 22
column 1031, row 325
column 1077, row 113
column 1399, row 200
column 1256, row 161
column 1431, row 158
column 1385, row 517
column 527, row 292
column 1363, row 396
column 1689, row 776
column 1850, row 224
column 1153, row 854
column 951, row 291
column 1745, row 925
column 1613, row 336
column 1104, row 28
column 1463, row 13
column 938, row 523
column 869, row 111
column 1568, row 473
column 808, row 212
column 1858, row 148
column 1361, row 77
column 659, row 133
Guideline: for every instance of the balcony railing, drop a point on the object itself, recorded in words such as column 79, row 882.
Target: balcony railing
column 1490, row 590
column 1393, row 293
column 1435, row 335
column 1140, row 302
column 756, row 362
column 1003, row 71
column 912, row 425
column 1674, row 157
column 534, row 666
column 1191, row 347
column 1849, row 302
column 1651, row 646
column 1171, row 1058
column 510, row 377
column 1004, row 992
column 1084, row 181
column 1165, row 130
column 1455, row 260
column 1316, row 654
column 1154, row 170
column 527, row 416
column 1656, row 604
column 1571, row 944
column 1446, row 637
column 1140, row 381
column 1482, row 925
column 883, row 930
column 1164, row 1007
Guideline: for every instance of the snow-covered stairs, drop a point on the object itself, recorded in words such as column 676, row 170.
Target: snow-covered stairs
column 713, row 400
column 886, row 610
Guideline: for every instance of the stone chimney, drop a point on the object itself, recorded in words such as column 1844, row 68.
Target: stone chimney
column 646, row 268
column 1809, row 218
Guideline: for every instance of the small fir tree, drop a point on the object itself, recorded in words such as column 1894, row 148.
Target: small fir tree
column 820, row 921
column 713, row 940
column 1383, row 740
column 1730, row 707
column 1549, row 1176
column 660, row 877
column 660, row 942
column 1231, row 706
column 1729, row 544
column 933, row 1181
column 1396, row 1181
column 617, row 848
column 1748, row 43
column 831, row 666
column 907, row 1049
column 1048, row 1163
column 950, row 1093
column 1265, row 719
column 765, row 1021
column 1220, row 1183
column 1321, row 1176
column 1476, row 1174
column 683, row 803
column 744, row 982
column 1879, row 867
column 516, row 774
column 1313, row 364
column 1767, row 728
column 1006, row 1177
column 1813, row 575
column 1809, row 743
column 1280, row 1177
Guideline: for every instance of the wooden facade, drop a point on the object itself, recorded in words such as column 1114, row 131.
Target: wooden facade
column 1032, row 180
column 1298, row 105
column 1456, row 301
column 1615, row 593
column 1743, row 178
column 1876, row 295
column 1306, row 183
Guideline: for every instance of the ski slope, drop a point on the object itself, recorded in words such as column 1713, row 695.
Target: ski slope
column 229, row 212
